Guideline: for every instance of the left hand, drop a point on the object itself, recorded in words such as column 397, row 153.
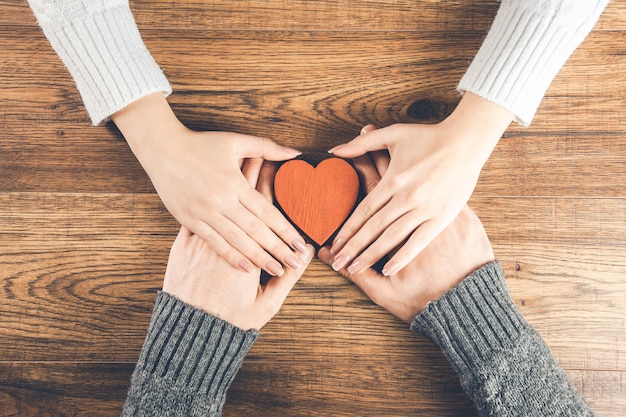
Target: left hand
column 196, row 274
column 431, row 175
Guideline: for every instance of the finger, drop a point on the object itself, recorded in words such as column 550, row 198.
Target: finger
column 265, row 185
column 255, row 147
column 371, row 231
column 371, row 204
column 381, row 160
column 388, row 242
column 367, row 171
column 374, row 140
column 375, row 286
column 277, row 289
column 268, row 245
column 420, row 238
column 251, row 170
column 368, row 128
column 269, row 215
column 221, row 247
column 229, row 228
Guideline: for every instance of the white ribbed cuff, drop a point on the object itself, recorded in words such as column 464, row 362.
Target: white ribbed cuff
column 110, row 63
column 525, row 48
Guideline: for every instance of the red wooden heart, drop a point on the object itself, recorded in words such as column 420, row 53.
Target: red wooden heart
column 317, row 200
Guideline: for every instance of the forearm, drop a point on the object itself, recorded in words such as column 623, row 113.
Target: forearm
column 528, row 43
column 100, row 44
column 503, row 364
column 187, row 363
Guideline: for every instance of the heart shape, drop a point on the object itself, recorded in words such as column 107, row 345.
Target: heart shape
column 317, row 199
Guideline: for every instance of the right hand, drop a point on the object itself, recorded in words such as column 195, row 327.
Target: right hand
column 196, row 275
column 460, row 249
column 199, row 179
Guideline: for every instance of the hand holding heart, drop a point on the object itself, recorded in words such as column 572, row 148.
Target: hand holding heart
column 197, row 275
column 430, row 177
column 459, row 250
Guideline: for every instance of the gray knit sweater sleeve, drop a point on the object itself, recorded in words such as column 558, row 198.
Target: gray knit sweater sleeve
column 503, row 364
column 188, row 361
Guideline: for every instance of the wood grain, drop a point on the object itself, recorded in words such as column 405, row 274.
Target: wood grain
column 318, row 15
column 84, row 238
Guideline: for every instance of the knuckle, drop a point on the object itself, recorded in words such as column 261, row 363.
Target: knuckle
column 365, row 210
column 370, row 184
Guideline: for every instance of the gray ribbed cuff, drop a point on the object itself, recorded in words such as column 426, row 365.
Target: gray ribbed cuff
column 525, row 48
column 106, row 56
column 192, row 350
column 473, row 320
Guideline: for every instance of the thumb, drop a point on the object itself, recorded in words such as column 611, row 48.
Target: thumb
column 255, row 147
column 374, row 285
column 368, row 141
column 278, row 288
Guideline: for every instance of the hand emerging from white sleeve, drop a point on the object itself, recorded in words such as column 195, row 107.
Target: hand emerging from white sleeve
column 199, row 178
column 431, row 174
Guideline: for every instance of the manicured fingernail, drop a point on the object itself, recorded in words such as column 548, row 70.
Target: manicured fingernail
column 336, row 148
column 245, row 265
column 274, row 268
column 341, row 261
column 355, row 266
column 292, row 261
column 337, row 245
column 390, row 268
column 293, row 150
column 307, row 255
column 300, row 245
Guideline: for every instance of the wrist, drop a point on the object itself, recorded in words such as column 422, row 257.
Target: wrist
column 146, row 121
column 478, row 125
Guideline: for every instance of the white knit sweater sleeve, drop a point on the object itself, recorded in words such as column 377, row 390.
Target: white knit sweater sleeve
column 528, row 43
column 99, row 43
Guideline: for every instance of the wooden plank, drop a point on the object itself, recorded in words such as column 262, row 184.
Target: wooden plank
column 72, row 276
column 63, row 389
column 323, row 15
column 48, row 145
column 302, row 389
column 261, row 388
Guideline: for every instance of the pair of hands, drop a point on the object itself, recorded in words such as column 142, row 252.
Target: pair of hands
column 430, row 176
column 197, row 275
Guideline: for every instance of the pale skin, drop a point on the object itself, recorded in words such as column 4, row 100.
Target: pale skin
column 199, row 179
column 197, row 275
column 461, row 248
column 431, row 174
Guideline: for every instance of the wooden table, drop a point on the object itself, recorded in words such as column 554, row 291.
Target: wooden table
column 84, row 237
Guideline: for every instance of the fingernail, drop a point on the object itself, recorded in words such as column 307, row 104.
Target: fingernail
column 274, row 268
column 336, row 148
column 293, row 150
column 341, row 261
column 337, row 245
column 299, row 245
column 245, row 265
column 307, row 255
column 390, row 268
column 292, row 261
column 355, row 266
